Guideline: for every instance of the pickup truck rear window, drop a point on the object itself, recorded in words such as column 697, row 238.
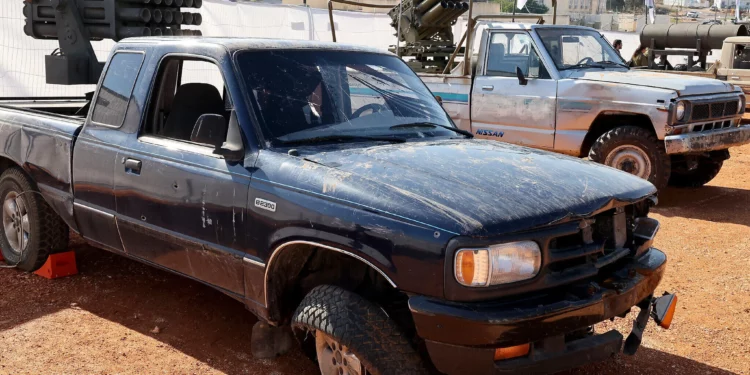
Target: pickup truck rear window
column 311, row 94
column 114, row 95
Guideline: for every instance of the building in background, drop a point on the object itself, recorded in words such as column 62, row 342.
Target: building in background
column 727, row 4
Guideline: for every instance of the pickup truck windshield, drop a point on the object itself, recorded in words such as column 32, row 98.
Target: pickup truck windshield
column 304, row 96
column 579, row 49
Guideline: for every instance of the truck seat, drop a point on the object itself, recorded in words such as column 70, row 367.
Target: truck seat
column 496, row 58
column 190, row 102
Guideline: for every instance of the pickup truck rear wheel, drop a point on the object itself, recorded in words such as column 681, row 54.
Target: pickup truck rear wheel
column 354, row 336
column 636, row 151
column 31, row 230
column 706, row 170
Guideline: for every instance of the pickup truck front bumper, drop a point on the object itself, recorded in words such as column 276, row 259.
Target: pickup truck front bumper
column 707, row 141
column 461, row 338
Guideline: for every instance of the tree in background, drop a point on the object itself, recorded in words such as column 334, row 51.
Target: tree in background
column 532, row 6
column 624, row 5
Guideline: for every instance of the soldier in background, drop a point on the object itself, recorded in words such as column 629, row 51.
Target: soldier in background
column 618, row 46
column 640, row 56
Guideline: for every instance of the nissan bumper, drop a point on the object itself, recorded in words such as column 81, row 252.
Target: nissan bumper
column 707, row 141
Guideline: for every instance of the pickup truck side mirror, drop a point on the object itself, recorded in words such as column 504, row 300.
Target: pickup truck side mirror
column 210, row 129
column 439, row 99
column 521, row 78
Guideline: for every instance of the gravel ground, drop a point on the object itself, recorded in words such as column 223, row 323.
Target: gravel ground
column 104, row 320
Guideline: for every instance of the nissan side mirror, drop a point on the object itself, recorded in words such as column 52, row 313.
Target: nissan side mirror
column 210, row 129
column 521, row 78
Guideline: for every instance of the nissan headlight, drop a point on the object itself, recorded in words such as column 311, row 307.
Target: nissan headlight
column 680, row 111
column 497, row 264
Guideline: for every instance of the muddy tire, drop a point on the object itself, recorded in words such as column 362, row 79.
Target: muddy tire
column 351, row 331
column 31, row 230
column 706, row 171
column 634, row 150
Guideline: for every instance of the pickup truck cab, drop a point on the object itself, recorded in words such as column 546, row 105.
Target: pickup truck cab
column 565, row 89
column 323, row 186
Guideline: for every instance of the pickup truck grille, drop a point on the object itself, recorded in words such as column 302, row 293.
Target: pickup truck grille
column 600, row 241
column 712, row 126
column 708, row 111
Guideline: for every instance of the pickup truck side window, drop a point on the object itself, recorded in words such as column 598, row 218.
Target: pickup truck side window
column 508, row 50
column 114, row 94
column 185, row 89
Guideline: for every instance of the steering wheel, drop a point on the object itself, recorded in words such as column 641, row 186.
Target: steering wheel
column 374, row 107
column 587, row 60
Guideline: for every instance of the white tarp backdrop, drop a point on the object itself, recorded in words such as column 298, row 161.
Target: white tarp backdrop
column 22, row 57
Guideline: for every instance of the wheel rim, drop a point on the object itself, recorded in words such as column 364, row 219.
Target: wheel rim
column 631, row 159
column 16, row 222
column 336, row 359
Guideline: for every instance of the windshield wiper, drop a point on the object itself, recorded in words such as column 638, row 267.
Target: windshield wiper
column 583, row 66
column 613, row 63
column 432, row 125
column 328, row 138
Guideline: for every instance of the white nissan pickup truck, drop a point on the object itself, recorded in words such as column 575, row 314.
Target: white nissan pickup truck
column 565, row 89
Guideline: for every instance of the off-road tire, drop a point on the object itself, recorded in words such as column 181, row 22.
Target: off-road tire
column 661, row 164
column 706, row 171
column 47, row 232
column 360, row 325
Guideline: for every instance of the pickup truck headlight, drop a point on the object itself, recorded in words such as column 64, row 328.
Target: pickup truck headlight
column 680, row 111
column 498, row 264
column 741, row 104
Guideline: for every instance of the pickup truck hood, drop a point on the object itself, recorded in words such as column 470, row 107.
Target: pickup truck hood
column 684, row 85
column 470, row 187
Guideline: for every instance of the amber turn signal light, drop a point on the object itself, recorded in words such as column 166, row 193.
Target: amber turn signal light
column 512, row 352
column 664, row 307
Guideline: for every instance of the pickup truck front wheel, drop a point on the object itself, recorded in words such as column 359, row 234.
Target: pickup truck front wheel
column 636, row 151
column 31, row 230
column 354, row 336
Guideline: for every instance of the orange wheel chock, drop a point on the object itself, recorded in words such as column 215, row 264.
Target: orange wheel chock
column 59, row 265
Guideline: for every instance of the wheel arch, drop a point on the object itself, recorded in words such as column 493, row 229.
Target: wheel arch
column 296, row 266
column 60, row 201
column 609, row 120
column 6, row 163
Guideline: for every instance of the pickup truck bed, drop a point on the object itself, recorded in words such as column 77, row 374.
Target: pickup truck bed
column 454, row 91
column 42, row 143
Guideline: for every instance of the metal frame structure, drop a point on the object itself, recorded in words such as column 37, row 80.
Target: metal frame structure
column 76, row 23
column 467, row 35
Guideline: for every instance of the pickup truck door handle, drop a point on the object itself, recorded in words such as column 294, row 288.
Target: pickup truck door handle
column 488, row 88
column 735, row 77
column 133, row 166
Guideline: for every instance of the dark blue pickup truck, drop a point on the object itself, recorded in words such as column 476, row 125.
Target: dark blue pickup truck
column 324, row 187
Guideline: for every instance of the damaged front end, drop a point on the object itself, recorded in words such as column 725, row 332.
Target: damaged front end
column 592, row 269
